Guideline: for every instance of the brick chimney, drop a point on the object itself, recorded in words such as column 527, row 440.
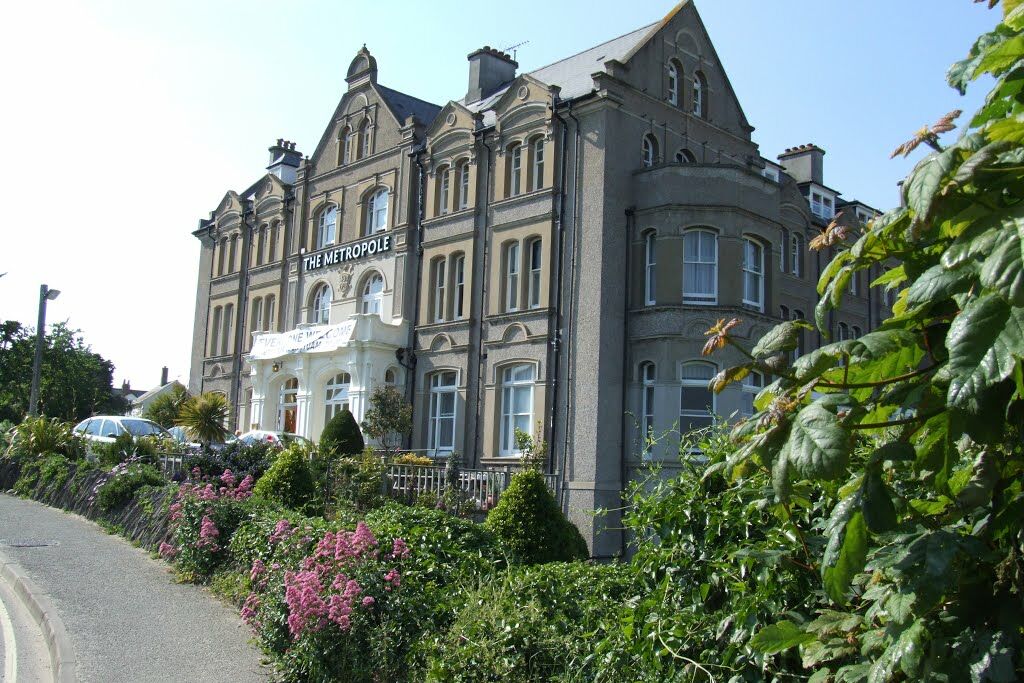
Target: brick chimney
column 805, row 163
column 163, row 376
column 284, row 160
column 489, row 69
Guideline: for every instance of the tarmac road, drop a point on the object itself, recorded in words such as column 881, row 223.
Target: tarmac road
column 124, row 616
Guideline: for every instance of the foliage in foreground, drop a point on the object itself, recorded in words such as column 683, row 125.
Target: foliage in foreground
column 289, row 480
column 341, row 436
column 922, row 555
column 204, row 417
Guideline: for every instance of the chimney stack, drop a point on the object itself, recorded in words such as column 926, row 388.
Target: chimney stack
column 284, row 160
column 805, row 163
column 163, row 376
column 489, row 69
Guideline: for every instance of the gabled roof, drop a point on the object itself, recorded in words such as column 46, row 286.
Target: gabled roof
column 403, row 105
column 159, row 390
column 573, row 74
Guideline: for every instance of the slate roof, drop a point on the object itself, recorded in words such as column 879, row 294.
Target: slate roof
column 405, row 105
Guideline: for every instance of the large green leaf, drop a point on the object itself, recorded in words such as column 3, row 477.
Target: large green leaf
column 1003, row 270
column 778, row 637
column 818, row 446
column 1000, row 56
column 938, row 283
column 847, row 548
column 984, row 343
column 922, row 187
column 903, row 655
column 781, row 338
column 876, row 503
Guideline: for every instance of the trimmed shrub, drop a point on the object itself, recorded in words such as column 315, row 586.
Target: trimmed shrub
column 530, row 524
column 358, row 481
column 532, row 624
column 341, row 436
column 288, row 481
column 413, row 459
column 124, row 480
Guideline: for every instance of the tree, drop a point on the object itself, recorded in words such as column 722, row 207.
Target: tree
column 341, row 436
column 389, row 418
column 204, row 417
column 74, row 382
column 165, row 408
column 915, row 428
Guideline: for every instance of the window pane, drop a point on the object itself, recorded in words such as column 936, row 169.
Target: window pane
column 696, row 400
column 700, row 371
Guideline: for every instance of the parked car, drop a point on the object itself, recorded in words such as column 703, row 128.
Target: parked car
column 106, row 428
column 278, row 438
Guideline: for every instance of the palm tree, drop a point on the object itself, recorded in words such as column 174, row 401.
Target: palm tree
column 204, row 417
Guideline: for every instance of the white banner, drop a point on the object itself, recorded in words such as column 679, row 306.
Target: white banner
column 317, row 339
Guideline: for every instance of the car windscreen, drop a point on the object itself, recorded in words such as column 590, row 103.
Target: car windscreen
column 142, row 428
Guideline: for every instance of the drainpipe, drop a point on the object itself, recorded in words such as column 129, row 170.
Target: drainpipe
column 212, row 232
column 243, row 314
column 626, row 365
column 556, row 340
column 483, row 205
column 569, row 355
column 407, row 357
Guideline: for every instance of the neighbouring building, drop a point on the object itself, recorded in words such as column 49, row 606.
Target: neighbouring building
column 543, row 253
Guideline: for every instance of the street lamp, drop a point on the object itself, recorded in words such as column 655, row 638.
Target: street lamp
column 45, row 294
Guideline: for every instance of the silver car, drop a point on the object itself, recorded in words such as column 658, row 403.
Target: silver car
column 106, row 428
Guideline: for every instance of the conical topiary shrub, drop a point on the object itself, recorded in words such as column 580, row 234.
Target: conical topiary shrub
column 341, row 436
column 530, row 524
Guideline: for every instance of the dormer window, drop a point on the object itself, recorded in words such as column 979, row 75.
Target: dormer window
column 822, row 205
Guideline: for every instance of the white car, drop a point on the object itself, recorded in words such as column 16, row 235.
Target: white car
column 106, row 428
column 277, row 438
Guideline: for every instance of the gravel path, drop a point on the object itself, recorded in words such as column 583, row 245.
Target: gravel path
column 127, row 619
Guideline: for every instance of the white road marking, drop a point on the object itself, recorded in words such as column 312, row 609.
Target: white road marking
column 10, row 647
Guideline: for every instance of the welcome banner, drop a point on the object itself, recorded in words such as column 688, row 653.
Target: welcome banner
column 321, row 338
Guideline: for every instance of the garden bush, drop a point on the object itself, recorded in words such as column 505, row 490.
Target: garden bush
column 40, row 435
column 123, row 480
column 530, row 524
column 359, row 481
column 126, row 446
column 46, row 472
column 532, row 624
column 241, row 459
column 341, row 436
column 289, row 480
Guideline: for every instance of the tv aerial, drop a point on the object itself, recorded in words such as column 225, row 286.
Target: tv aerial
column 512, row 48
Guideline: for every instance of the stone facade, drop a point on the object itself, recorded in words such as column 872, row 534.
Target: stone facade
column 544, row 253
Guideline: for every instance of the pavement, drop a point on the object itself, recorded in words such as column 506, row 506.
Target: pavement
column 107, row 611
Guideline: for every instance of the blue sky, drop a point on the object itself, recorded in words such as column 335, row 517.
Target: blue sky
column 126, row 122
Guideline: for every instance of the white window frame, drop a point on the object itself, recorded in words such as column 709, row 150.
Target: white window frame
column 673, row 84
column 648, row 377
column 650, row 267
column 459, row 274
column 346, row 145
column 698, row 96
column 822, row 205
column 290, row 387
column 753, row 270
column 685, row 156
column 437, row 418
column 701, row 298
column 445, row 191
column 750, row 388
column 512, row 277
column 648, row 151
column 515, row 185
column 271, row 300
column 796, row 256
column 364, row 139
column 709, row 413
column 439, row 287
column 322, row 305
column 336, row 395
column 464, row 185
column 372, row 301
column 327, row 227
column 538, row 164
column 377, row 211
column 536, row 250
column 257, row 314
column 511, row 386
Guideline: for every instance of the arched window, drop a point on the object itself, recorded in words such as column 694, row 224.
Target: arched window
column 321, row 314
column 373, row 294
column 784, row 262
column 215, row 331
column 516, row 405
column 853, row 283
column 459, row 277
column 232, row 254
column 512, row 277
column 844, row 332
column 753, row 274
column 364, row 139
column 672, row 94
column 227, row 343
column 533, row 285
column 751, row 387
column 464, row 185
column 347, row 143
column 799, row 350
column 390, row 377
column 261, row 245
column 222, row 256
column 649, row 151
column 272, row 248
column 441, row 431
column 336, row 398
column 515, row 170
column 647, row 376
column 288, row 406
column 270, row 313
column 697, row 405
column 377, row 212
column 796, row 256
column 444, row 181
column 700, row 267
column 439, row 287
column 650, row 267
column 327, row 227
column 537, row 163
column 685, row 156
column 784, row 312
column 699, row 93
column 856, row 332
column 256, row 324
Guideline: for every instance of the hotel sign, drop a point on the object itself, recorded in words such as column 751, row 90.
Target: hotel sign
column 309, row 340
column 352, row 252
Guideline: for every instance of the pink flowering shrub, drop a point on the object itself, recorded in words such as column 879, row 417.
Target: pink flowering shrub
column 203, row 516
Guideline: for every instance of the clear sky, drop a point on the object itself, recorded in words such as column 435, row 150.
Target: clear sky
column 124, row 122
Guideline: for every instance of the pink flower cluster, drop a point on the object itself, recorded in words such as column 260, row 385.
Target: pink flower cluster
column 208, row 535
column 258, row 574
column 282, row 531
column 249, row 607
column 167, row 551
column 230, row 487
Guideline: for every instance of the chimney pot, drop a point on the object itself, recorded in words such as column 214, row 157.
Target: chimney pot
column 163, row 375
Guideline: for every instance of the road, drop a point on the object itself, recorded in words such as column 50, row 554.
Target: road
column 126, row 618
column 24, row 657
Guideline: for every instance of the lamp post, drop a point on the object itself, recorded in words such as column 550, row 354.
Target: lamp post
column 45, row 294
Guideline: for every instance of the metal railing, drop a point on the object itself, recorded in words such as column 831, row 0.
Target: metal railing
column 170, row 464
column 481, row 489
